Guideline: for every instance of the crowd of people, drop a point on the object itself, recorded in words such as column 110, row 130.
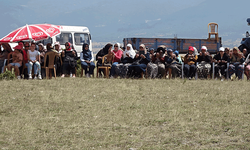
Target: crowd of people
column 28, row 60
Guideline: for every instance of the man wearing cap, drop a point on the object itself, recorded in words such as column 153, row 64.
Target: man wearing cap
column 189, row 61
column 220, row 61
column 204, row 66
column 16, row 61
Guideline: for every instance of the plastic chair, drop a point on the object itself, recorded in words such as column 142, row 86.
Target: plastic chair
column 213, row 30
column 51, row 63
column 82, row 72
column 106, row 68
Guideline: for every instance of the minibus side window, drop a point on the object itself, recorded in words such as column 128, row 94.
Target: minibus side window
column 81, row 38
column 64, row 37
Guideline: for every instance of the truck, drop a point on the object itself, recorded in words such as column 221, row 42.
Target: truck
column 180, row 44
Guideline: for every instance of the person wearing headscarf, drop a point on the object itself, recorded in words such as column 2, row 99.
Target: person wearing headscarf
column 117, row 52
column 86, row 57
column 204, row 66
column 127, row 58
column 220, row 61
column 236, row 60
column 57, row 47
column 189, row 61
column 159, row 60
column 69, row 56
column 196, row 51
column 104, row 51
column 140, row 63
column 152, row 68
column 171, row 64
column 4, row 54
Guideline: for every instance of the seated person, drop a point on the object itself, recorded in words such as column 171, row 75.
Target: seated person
column 204, row 66
column 236, row 60
column 104, row 51
column 127, row 59
column 69, row 56
column 4, row 54
column 189, row 61
column 34, row 59
column 220, row 64
column 140, row 63
column 117, row 52
column 172, row 63
column 17, row 61
column 87, row 59
column 159, row 60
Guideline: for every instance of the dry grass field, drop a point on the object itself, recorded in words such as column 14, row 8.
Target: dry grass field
column 83, row 113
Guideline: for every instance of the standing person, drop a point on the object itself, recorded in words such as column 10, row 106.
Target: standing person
column 4, row 55
column 127, row 59
column 117, row 52
column 204, row 66
column 140, row 62
column 34, row 59
column 69, row 56
column 236, row 59
column 247, row 66
column 104, row 51
column 220, row 63
column 189, row 61
column 17, row 61
column 86, row 57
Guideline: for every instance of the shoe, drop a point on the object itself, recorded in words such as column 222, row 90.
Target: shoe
column 111, row 77
column 18, row 77
column 39, row 77
column 87, row 75
column 35, row 77
column 30, row 76
column 62, row 75
column 189, row 78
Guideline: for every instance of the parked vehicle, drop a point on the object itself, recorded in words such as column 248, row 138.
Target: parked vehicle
column 175, row 43
column 76, row 35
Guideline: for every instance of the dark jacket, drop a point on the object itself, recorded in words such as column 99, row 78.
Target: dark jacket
column 224, row 57
column 140, row 60
column 206, row 58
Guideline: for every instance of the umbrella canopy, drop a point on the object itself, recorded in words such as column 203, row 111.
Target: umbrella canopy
column 34, row 32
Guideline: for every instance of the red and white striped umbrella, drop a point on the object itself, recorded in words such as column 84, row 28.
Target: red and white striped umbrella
column 34, row 32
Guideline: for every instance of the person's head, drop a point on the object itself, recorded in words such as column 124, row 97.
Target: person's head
column 190, row 50
column 129, row 47
column 21, row 44
column 227, row 50
column 17, row 49
column 151, row 50
column 160, row 50
column 57, row 46
column 142, row 47
column 26, row 46
column 40, row 46
column 6, row 47
column 67, row 46
column 49, row 46
column 244, row 51
column 32, row 46
column 222, row 50
column 176, row 53
column 203, row 49
column 85, row 47
column 235, row 50
column 117, row 46
column 170, row 52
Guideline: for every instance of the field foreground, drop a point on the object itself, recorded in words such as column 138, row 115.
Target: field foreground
column 85, row 113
